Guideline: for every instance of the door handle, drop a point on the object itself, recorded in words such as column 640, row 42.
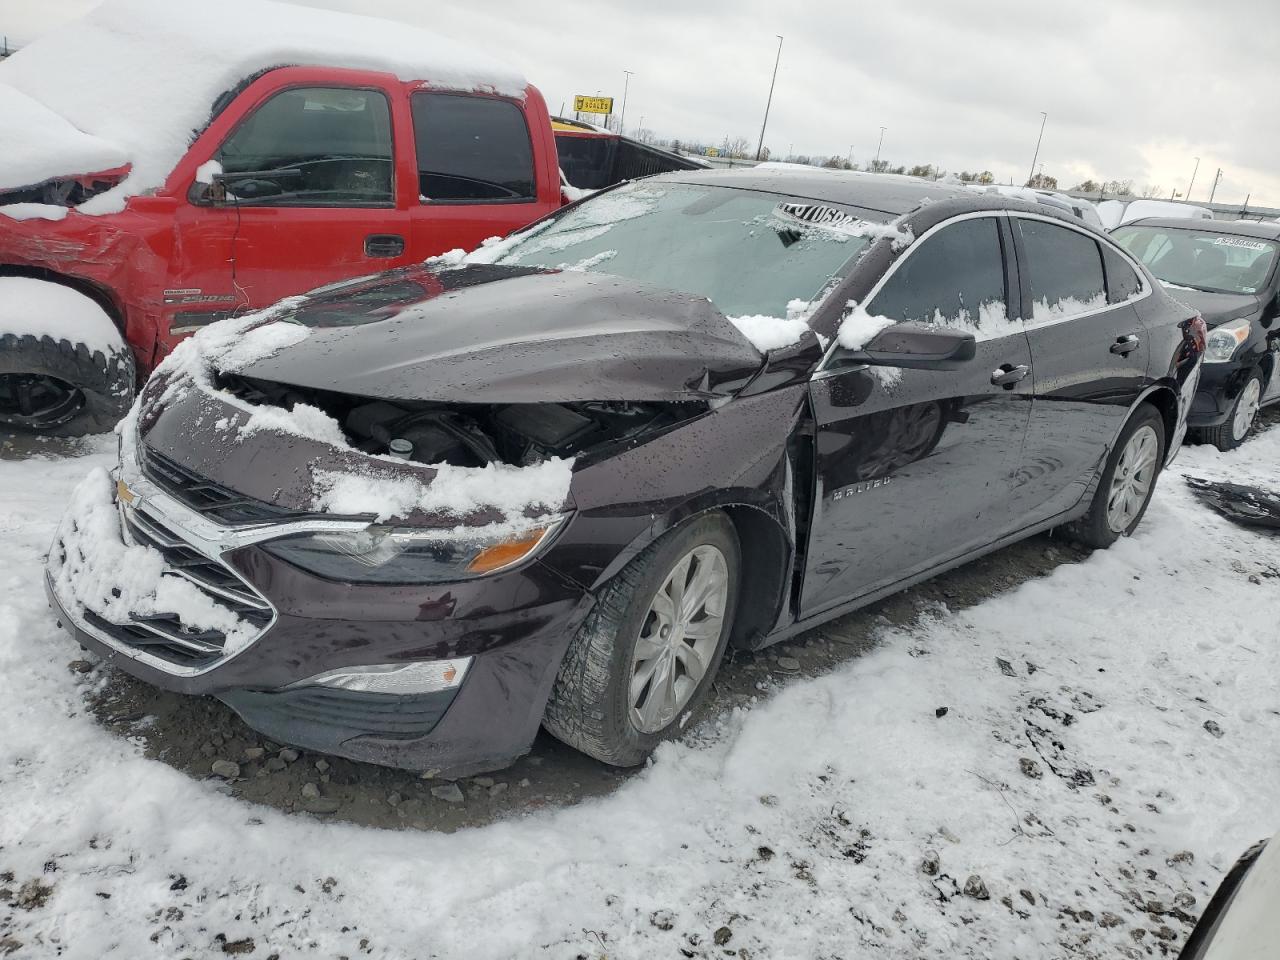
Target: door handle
column 383, row 245
column 1007, row 375
column 1126, row 345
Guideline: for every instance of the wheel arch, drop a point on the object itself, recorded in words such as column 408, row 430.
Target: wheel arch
column 99, row 294
column 1164, row 397
column 767, row 554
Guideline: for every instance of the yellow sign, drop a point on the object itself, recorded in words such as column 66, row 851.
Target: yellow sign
column 593, row 104
column 712, row 152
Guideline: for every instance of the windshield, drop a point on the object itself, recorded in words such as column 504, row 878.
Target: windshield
column 1201, row 259
column 749, row 253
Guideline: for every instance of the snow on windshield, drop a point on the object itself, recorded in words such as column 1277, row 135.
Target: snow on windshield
column 157, row 67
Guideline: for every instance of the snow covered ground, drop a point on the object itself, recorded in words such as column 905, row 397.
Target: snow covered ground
column 1096, row 746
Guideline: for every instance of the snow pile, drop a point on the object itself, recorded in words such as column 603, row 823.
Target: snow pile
column 453, row 491
column 1098, row 772
column 1042, row 311
column 158, row 66
column 843, row 224
column 772, row 333
column 92, row 564
column 32, row 211
column 30, row 306
column 39, row 144
column 858, row 327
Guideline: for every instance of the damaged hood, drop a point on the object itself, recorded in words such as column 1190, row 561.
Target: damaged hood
column 1216, row 308
column 42, row 145
column 492, row 334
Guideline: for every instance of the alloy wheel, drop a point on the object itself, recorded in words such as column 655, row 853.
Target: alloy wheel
column 1134, row 476
column 1246, row 409
column 36, row 401
column 678, row 638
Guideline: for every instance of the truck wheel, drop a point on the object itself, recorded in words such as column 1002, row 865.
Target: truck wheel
column 56, row 384
column 644, row 658
column 1127, row 483
column 1232, row 432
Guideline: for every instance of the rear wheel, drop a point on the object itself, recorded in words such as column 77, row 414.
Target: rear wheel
column 1127, row 483
column 1235, row 429
column 646, row 655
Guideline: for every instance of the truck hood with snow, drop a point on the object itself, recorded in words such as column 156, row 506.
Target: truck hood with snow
column 495, row 334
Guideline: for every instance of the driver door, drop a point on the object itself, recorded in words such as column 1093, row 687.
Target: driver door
column 310, row 184
column 914, row 467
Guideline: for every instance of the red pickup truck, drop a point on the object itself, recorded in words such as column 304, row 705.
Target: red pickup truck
column 293, row 177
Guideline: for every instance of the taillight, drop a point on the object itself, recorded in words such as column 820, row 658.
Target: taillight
column 1197, row 332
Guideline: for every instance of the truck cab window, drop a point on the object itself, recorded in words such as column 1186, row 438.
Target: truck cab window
column 472, row 150
column 313, row 146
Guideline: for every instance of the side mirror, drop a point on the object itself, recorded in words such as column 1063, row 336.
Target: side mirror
column 914, row 346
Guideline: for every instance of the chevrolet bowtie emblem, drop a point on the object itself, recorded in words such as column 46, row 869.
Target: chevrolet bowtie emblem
column 124, row 494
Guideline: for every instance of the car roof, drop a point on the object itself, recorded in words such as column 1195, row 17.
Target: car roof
column 890, row 194
column 1235, row 228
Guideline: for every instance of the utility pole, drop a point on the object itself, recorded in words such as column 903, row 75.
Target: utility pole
column 876, row 166
column 849, row 159
column 1216, row 178
column 1193, row 179
column 1044, row 118
column 622, row 118
column 768, row 103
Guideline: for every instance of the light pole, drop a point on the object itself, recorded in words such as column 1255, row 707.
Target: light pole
column 1193, row 179
column 849, row 160
column 768, row 103
column 875, row 167
column 1216, row 178
column 622, row 117
column 1044, row 118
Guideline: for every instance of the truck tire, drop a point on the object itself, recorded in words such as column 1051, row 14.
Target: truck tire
column 59, row 385
column 603, row 702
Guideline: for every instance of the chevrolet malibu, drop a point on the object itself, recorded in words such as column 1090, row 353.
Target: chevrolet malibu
column 410, row 518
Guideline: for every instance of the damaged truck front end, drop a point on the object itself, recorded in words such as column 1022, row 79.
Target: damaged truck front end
column 379, row 541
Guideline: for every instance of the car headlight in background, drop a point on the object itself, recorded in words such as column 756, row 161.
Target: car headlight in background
column 1226, row 339
column 387, row 554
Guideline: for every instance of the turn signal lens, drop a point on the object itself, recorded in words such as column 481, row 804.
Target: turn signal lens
column 499, row 555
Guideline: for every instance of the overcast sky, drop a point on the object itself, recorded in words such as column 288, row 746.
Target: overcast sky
column 1133, row 90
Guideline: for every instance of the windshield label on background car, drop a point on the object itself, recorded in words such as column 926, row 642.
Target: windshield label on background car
column 1238, row 242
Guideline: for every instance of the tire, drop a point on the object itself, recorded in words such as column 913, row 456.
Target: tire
column 1098, row 527
column 1235, row 429
column 591, row 707
column 69, row 391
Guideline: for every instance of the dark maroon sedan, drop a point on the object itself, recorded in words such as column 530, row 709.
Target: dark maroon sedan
column 412, row 517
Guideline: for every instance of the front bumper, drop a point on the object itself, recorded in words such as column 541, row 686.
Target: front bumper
column 1220, row 384
column 514, row 626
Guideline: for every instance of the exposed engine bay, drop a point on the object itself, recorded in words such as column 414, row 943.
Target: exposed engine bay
column 473, row 435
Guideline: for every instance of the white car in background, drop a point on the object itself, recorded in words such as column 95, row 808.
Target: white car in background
column 1116, row 212
column 1241, row 921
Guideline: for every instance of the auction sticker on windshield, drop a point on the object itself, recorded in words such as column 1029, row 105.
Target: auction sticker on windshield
column 1239, row 242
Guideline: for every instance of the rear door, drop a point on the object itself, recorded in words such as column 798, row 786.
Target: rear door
column 478, row 171
column 914, row 467
column 1090, row 352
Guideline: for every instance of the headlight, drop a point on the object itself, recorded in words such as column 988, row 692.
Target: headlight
column 1226, row 339
column 385, row 554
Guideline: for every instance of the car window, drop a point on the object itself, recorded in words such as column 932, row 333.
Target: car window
column 471, row 149
column 955, row 277
column 313, row 146
column 1064, row 269
column 1122, row 281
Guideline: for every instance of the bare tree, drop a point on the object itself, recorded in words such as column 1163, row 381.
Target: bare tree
column 735, row 147
column 1152, row 190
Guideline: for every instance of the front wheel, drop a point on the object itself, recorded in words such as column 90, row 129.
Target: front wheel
column 646, row 655
column 1232, row 432
column 1127, row 483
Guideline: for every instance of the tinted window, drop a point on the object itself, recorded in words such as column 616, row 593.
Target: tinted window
column 471, row 149
column 313, row 146
column 955, row 277
column 1064, row 269
column 1122, row 281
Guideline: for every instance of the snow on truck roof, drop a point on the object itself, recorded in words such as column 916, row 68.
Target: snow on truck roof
column 134, row 80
